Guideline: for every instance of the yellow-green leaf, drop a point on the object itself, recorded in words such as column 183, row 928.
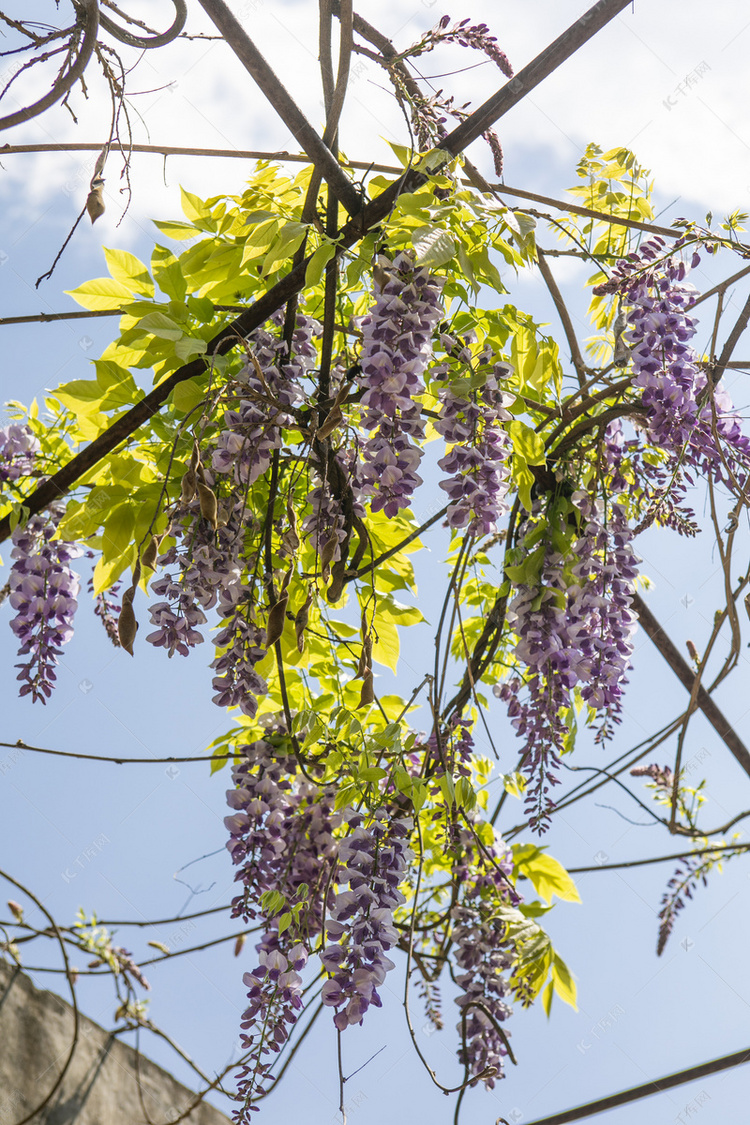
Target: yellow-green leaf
column 101, row 293
column 547, row 875
column 527, row 442
column 318, row 263
column 562, row 978
column 129, row 270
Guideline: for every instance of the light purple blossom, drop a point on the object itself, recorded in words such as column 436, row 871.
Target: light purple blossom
column 372, row 863
column 18, row 449
column 44, row 594
column 396, row 348
column 479, row 460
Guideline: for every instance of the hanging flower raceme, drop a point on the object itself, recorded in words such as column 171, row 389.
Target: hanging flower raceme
column 396, row 348
column 603, row 622
column 483, row 954
column 281, row 840
column 574, row 627
column 686, row 415
column 479, row 461
column 44, row 593
column 373, row 860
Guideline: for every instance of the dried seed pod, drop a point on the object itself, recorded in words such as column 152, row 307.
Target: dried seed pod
column 290, row 538
column 276, row 619
column 190, row 476
column 326, row 553
column 94, row 200
column 301, row 619
column 367, row 695
column 148, row 558
column 187, row 488
column 747, row 604
column 127, row 626
column 338, row 576
column 332, row 421
column 207, row 500
column 365, row 658
column 287, row 577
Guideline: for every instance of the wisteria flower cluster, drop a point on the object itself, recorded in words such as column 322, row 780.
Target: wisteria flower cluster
column 373, row 860
column 396, row 348
column 479, row 460
column 18, row 448
column 281, row 840
column 483, row 953
column 687, row 415
column 574, row 627
column 270, row 383
column 44, row 594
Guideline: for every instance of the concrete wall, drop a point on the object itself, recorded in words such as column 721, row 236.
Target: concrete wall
column 101, row 1084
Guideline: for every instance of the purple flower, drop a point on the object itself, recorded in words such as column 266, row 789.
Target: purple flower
column 479, row 458
column 396, row 348
column 18, row 448
column 44, row 593
column 372, row 863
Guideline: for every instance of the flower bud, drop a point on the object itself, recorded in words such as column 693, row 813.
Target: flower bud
column 16, row 909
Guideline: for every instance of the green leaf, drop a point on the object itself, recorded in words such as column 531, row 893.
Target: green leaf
column 318, row 263
column 547, row 875
column 434, row 245
column 82, row 396
column 118, row 531
column 101, row 293
column 161, row 326
column 129, row 270
column 187, row 395
column 178, row 231
column 188, row 347
column 193, row 206
column 547, row 996
column 527, row 442
column 563, row 982
column 386, row 648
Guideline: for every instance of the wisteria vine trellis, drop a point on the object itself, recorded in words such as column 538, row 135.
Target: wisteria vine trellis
column 276, row 501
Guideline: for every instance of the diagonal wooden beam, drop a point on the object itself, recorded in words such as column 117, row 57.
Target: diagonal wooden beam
column 686, row 676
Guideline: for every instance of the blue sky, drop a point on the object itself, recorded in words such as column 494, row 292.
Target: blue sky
column 110, row 838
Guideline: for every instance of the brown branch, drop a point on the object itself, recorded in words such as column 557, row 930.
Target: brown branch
column 562, row 312
column 287, row 109
column 44, row 318
column 732, row 340
column 686, row 676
